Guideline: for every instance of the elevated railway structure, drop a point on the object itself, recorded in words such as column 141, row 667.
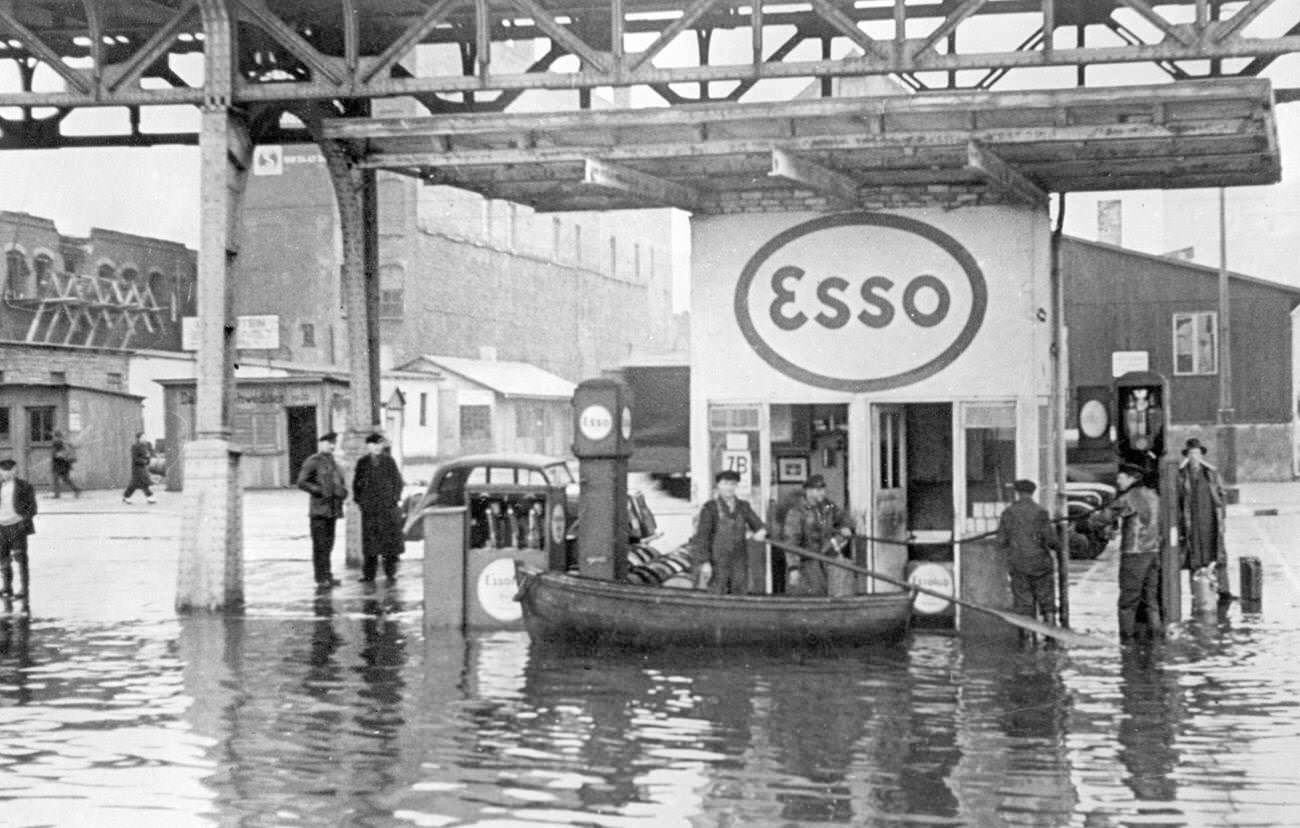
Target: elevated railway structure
column 998, row 102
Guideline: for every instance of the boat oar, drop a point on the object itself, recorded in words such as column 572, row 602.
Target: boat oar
column 1024, row 622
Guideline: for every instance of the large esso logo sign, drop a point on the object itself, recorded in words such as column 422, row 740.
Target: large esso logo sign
column 861, row 301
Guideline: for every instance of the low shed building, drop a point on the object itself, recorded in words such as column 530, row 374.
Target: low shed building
column 100, row 424
column 1134, row 311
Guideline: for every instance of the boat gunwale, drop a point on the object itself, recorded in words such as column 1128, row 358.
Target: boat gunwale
column 697, row 598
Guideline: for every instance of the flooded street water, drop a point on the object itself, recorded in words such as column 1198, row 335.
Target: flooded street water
column 338, row 711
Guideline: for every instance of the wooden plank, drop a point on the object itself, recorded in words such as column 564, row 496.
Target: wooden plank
column 790, row 167
column 693, row 115
column 805, row 143
column 1002, row 176
column 644, row 187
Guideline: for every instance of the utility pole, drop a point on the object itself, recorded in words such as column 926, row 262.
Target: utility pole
column 1225, row 434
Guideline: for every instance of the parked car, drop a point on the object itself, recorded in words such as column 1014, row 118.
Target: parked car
column 1087, row 540
column 516, row 500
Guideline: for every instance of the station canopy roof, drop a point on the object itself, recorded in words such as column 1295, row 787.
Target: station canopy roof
column 844, row 151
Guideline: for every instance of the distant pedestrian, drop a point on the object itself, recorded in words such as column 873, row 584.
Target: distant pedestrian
column 1137, row 510
column 1026, row 536
column 720, row 540
column 320, row 477
column 810, row 524
column 61, row 463
column 141, row 456
column 17, row 513
column 377, row 489
column 1200, row 516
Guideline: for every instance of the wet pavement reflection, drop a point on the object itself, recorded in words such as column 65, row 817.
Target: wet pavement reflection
column 346, row 715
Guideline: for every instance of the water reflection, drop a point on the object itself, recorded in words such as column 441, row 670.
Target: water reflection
column 346, row 714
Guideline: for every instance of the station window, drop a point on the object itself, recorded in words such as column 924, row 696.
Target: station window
column 308, row 331
column 424, row 408
column 390, row 303
column 990, row 462
column 475, row 424
column 1196, row 343
column 58, row 377
column 6, row 436
column 531, row 421
column 40, row 425
column 114, row 380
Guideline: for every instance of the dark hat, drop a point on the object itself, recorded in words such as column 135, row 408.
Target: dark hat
column 375, row 437
column 1026, row 486
column 727, row 474
column 1194, row 443
column 815, row 482
column 328, row 437
column 7, row 464
column 1133, row 470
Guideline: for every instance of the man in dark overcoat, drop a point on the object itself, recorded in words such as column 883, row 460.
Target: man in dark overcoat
column 377, row 489
column 1200, row 516
column 321, row 477
column 17, row 513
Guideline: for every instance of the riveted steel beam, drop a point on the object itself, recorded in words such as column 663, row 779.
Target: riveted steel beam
column 157, row 47
column 790, row 167
column 39, row 49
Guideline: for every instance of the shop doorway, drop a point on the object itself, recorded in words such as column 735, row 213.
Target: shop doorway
column 301, row 421
column 912, row 487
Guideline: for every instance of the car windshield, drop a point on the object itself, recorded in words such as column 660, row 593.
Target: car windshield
column 559, row 474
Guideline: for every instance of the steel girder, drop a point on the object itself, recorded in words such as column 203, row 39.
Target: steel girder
column 124, row 52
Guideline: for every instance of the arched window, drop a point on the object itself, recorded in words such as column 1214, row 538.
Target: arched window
column 106, row 271
column 17, row 275
column 130, row 275
column 44, row 266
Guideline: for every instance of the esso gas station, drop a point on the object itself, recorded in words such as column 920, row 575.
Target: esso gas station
column 904, row 356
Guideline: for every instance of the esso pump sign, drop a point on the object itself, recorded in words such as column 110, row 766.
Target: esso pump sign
column 861, row 301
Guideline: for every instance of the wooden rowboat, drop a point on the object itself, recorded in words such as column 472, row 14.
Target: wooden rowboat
column 575, row 610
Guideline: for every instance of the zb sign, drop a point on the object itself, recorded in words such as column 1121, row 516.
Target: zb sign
column 861, row 301
column 742, row 463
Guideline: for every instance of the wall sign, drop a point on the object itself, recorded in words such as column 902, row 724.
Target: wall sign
column 861, row 301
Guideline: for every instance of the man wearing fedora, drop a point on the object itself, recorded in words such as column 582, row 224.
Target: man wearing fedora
column 17, row 509
column 1200, row 516
column 810, row 525
column 321, row 478
column 1027, row 538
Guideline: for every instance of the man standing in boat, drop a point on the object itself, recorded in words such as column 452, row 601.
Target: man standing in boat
column 1026, row 537
column 720, row 542
column 809, row 525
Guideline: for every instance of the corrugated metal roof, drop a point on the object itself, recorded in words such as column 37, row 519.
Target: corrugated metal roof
column 511, row 379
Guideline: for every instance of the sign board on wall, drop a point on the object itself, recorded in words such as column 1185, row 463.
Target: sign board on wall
column 252, row 333
column 897, row 302
column 1122, row 362
column 257, row 333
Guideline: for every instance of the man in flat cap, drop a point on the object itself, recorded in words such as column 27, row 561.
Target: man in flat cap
column 1137, row 512
column 810, row 525
column 1200, row 516
column 720, row 538
column 17, row 510
column 377, row 488
column 321, row 478
column 1026, row 536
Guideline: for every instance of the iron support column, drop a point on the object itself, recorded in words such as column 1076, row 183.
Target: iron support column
column 354, row 191
column 210, row 573
column 1225, row 431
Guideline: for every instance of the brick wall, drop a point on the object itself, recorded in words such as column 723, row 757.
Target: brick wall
column 89, row 368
